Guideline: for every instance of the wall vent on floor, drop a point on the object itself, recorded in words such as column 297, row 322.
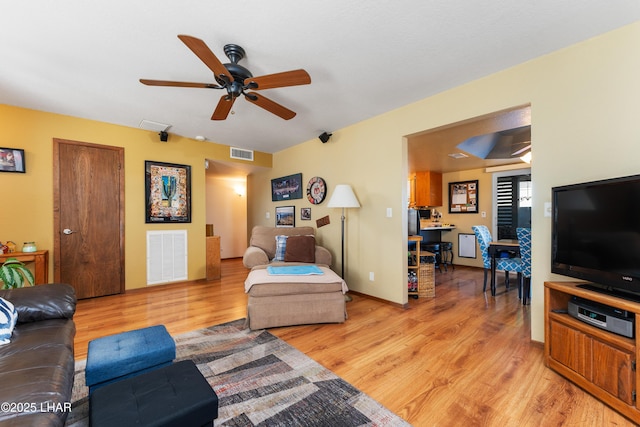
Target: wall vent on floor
column 166, row 256
column 242, row 154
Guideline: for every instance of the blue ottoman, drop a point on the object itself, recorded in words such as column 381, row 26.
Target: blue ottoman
column 120, row 356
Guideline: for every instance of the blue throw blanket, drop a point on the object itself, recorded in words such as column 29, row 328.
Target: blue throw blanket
column 294, row 270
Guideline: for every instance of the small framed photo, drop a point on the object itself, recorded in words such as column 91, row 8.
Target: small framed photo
column 12, row 160
column 305, row 214
column 285, row 216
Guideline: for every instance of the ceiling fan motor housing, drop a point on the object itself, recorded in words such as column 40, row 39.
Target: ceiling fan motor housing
column 239, row 73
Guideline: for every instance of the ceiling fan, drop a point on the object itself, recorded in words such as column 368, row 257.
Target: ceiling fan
column 237, row 80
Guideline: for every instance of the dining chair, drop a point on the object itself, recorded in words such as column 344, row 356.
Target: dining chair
column 504, row 264
column 524, row 240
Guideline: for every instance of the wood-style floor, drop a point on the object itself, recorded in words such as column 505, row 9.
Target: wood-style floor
column 461, row 358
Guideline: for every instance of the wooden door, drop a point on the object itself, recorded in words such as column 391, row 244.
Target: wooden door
column 89, row 217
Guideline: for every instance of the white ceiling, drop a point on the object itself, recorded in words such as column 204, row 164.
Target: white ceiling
column 84, row 58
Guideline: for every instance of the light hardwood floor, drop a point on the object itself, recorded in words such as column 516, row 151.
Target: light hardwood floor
column 461, row 358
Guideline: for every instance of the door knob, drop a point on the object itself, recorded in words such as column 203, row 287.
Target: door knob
column 67, row 231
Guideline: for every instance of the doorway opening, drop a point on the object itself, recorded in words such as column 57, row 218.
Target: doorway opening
column 511, row 203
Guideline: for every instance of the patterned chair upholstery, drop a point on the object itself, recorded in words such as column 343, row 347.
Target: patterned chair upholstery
column 524, row 239
column 504, row 264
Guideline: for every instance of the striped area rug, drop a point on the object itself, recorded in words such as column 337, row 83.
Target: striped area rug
column 261, row 380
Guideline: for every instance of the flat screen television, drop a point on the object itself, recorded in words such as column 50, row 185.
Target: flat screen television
column 596, row 234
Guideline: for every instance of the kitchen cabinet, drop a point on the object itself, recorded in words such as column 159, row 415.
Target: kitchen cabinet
column 425, row 189
column 599, row 361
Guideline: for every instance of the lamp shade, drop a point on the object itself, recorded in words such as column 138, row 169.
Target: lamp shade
column 343, row 197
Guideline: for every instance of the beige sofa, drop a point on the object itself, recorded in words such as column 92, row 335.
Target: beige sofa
column 291, row 300
column 262, row 245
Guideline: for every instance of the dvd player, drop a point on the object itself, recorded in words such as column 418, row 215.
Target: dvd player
column 603, row 316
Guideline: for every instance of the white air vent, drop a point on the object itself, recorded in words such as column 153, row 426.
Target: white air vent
column 166, row 256
column 154, row 126
column 239, row 153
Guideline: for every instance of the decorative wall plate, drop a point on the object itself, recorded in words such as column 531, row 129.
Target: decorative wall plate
column 316, row 190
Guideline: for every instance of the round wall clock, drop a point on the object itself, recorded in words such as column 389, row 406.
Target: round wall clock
column 316, row 190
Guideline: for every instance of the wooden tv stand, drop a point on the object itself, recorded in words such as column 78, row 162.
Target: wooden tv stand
column 601, row 362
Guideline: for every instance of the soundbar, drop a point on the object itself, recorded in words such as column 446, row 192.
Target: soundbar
column 602, row 316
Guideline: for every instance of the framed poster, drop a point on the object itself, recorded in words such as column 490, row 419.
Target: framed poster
column 285, row 216
column 286, row 188
column 167, row 192
column 12, row 160
column 463, row 197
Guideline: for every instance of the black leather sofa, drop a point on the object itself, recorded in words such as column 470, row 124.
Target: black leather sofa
column 37, row 366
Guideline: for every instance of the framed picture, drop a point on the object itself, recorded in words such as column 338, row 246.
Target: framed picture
column 167, row 192
column 463, row 197
column 12, row 160
column 285, row 216
column 286, row 188
column 305, row 214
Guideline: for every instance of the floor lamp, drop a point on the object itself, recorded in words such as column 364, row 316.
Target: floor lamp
column 343, row 197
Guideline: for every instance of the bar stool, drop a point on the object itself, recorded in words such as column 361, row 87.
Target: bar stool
column 446, row 252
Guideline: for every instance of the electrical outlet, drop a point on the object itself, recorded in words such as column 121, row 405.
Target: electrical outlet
column 483, row 214
column 371, row 276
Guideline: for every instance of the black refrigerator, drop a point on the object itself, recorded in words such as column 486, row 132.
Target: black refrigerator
column 415, row 215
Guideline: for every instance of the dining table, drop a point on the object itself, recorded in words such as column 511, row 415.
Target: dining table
column 495, row 249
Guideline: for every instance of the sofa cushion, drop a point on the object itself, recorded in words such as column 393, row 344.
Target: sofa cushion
column 37, row 368
column 262, row 246
column 300, row 249
column 8, row 318
column 42, row 302
column 281, row 245
column 263, row 237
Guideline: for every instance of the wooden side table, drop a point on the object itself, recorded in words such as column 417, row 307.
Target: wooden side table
column 41, row 260
column 213, row 258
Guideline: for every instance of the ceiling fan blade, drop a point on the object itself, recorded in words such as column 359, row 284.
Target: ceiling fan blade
column 203, row 52
column 270, row 106
column 287, row 78
column 178, row 84
column 223, row 108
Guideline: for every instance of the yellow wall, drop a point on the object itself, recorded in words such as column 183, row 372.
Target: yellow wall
column 584, row 126
column 27, row 205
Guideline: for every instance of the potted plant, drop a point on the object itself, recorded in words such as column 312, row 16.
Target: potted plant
column 13, row 274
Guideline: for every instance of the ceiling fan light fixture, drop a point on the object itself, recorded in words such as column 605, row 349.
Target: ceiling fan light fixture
column 527, row 157
column 522, row 150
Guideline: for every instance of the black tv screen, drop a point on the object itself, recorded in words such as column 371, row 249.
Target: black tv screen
column 596, row 234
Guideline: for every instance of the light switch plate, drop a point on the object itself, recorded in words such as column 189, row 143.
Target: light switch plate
column 547, row 209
